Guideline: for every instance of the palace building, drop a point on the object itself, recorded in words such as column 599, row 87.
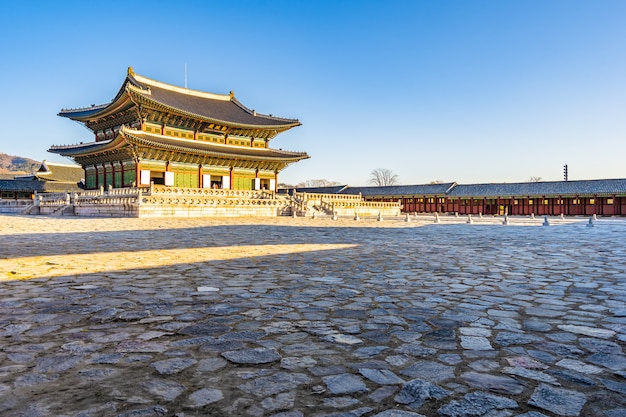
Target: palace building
column 51, row 177
column 152, row 132
column 604, row 197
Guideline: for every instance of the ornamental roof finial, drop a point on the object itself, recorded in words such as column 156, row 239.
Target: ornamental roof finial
column 232, row 94
column 131, row 72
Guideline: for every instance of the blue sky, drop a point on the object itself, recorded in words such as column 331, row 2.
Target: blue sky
column 468, row 91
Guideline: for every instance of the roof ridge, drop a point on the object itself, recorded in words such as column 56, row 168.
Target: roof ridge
column 159, row 84
column 60, row 164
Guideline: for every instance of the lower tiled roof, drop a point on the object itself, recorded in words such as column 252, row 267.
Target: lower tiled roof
column 401, row 190
column 30, row 186
column 607, row 187
column 544, row 189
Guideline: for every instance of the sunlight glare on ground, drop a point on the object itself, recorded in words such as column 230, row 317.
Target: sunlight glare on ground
column 50, row 266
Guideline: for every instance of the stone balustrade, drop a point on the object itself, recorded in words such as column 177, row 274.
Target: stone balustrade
column 210, row 192
column 329, row 197
column 212, row 201
column 187, row 202
column 52, row 199
column 14, row 206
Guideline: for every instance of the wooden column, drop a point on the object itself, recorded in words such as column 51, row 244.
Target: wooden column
column 137, row 173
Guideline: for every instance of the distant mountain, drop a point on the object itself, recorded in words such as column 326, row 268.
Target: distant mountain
column 17, row 164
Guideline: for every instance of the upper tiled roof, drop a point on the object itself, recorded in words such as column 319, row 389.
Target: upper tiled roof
column 225, row 109
column 553, row 188
column 217, row 108
column 401, row 190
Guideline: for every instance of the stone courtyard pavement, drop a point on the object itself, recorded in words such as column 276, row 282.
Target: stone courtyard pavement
column 311, row 317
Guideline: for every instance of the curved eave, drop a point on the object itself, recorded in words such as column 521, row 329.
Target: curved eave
column 205, row 148
column 120, row 103
column 140, row 96
column 88, row 148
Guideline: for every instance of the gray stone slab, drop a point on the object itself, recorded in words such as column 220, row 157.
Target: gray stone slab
column 210, row 328
column 165, row 389
column 610, row 361
column 210, row 364
column 511, row 339
column 150, row 411
column 398, row 413
column 429, row 370
column 204, row 397
column 494, row 383
column 381, row 376
column 416, row 349
column 600, row 345
column 383, row 392
column 578, row 366
column 57, row 363
column 476, row 404
column 530, row 374
column 587, row 331
column 340, row 402
column 173, row 366
column 475, row 343
column 254, row 356
column 140, row 346
column 369, row 351
column 282, row 401
column 559, row 401
column 614, row 385
column 344, row 384
column 415, row 392
column 265, row 386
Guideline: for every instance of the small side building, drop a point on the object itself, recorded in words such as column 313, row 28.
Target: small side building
column 51, row 177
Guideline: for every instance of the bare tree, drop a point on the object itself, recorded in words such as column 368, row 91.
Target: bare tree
column 317, row 183
column 535, row 179
column 383, row 177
